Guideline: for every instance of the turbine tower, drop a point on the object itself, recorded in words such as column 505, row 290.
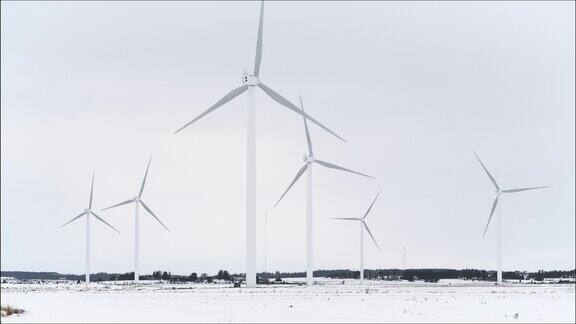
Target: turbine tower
column 249, row 84
column 87, row 212
column 309, row 159
column 499, row 192
column 363, row 226
column 137, row 200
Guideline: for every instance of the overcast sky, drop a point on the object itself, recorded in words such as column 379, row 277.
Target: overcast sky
column 415, row 87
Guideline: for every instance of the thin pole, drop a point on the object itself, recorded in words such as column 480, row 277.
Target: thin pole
column 309, row 231
column 251, row 190
column 404, row 257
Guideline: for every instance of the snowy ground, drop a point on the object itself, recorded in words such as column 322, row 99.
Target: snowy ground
column 329, row 301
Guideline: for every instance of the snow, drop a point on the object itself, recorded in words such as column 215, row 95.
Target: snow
column 328, row 301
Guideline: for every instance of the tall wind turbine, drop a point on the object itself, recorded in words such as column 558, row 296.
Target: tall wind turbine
column 499, row 192
column 249, row 84
column 309, row 159
column 87, row 212
column 137, row 200
column 363, row 226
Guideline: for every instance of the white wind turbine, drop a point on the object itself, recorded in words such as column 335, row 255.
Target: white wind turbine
column 137, row 200
column 249, row 84
column 309, row 159
column 363, row 226
column 87, row 212
column 499, row 219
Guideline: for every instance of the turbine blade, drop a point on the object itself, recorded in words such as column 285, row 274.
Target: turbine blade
column 488, row 173
column 73, row 219
column 151, row 213
column 145, row 175
column 334, row 166
column 298, row 175
column 308, row 139
column 91, row 191
column 284, row 102
column 370, row 233
column 258, row 58
column 103, row 221
column 229, row 96
column 372, row 204
column 346, row 218
column 524, row 189
column 120, row 204
column 491, row 213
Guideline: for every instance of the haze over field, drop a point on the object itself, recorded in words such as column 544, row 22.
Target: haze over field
column 414, row 86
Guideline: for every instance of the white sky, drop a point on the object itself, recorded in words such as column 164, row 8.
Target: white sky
column 415, row 87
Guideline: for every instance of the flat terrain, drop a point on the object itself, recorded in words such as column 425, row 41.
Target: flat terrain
column 329, row 301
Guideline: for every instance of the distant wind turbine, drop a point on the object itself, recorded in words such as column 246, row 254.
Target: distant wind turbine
column 137, row 200
column 87, row 212
column 249, row 83
column 499, row 219
column 363, row 226
column 309, row 159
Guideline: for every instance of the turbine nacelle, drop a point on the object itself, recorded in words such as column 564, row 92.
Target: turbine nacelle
column 308, row 158
column 250, row 79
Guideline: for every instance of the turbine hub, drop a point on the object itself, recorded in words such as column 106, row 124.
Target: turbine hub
column 308, row 158
column 136, row 198
column 249, row 79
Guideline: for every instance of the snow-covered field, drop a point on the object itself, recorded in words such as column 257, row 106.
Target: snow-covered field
column 329, row 301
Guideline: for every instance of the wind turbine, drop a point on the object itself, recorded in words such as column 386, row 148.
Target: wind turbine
column 499, row 219
column 87, row 212
column 362, row 227
column 249, row 84
column 309, row 159
column 137, row 200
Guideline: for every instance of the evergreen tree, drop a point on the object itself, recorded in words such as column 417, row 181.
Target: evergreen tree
column 223, row 275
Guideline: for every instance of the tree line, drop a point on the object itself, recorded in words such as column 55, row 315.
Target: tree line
column 430, row 275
